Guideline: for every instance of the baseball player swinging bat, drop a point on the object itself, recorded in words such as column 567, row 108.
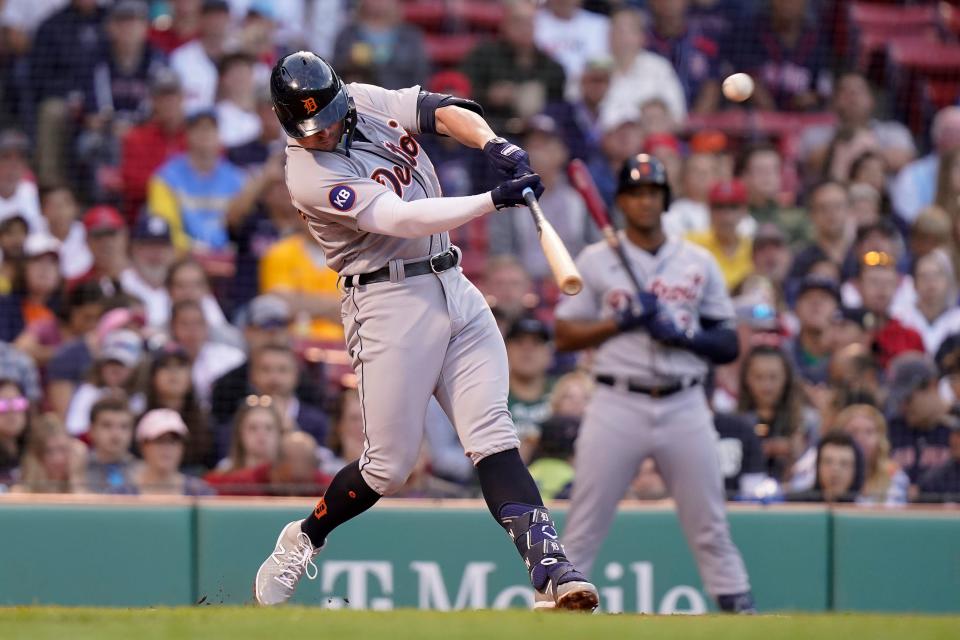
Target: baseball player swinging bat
column 582, row 181
column 561, row 264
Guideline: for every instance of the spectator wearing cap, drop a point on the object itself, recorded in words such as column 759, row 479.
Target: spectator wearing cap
column 853, row 102
column 64, row 53
column 377, row 38
column 733, row 252
column 192, row 190
column 529, row 354
column 61, row 211
column 771, row 255
column 562, row 205
column 148, row 145
column 690, row 210
column 236, row 107
column 151, row 256
column 114, row 99
column 694, row 54
column 935, row 315
column 254, row 155
column 919, row 419
column 829, row 208
column 18, row 194
column 114, row 373
column 35, row 294
column 257, row 217
column 785, row 51
column 818, row 300
column 510, row 75
column 17, row 366
column 578, row 119
column 267, row 324
column 622, row 138
column 169, row 387
column 296, row 270
column 877, row 284
column 208, row 359
column 162, row 437
column 640, row 75
column 110, row 464
column 180, row 27
column 571, row 35
column 196, row 61
column 942, row 482
column 107, row 238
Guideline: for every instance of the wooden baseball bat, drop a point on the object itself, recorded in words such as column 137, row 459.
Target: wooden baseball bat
column 582, row 181
column 561, row 264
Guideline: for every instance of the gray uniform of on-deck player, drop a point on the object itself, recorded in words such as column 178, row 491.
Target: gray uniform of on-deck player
column 409, row 339
column 622, row 428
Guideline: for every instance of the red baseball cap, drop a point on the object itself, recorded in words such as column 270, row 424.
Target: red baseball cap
column 657, row 140
column 103, row 218
column 728, row 193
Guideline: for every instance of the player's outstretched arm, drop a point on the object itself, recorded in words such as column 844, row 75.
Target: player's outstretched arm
column 470, row 129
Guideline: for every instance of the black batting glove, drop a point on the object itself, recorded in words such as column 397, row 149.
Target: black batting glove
column 641, row 311
column 509, row 159
column 510, row 193
column 664, row 331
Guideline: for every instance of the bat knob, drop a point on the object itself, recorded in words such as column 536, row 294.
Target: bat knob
column 526, row 191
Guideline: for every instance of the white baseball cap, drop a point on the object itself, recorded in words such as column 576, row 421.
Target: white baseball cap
column 40, row 244
column 159, row 422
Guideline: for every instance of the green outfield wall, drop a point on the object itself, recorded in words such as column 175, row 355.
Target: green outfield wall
column 401, row 554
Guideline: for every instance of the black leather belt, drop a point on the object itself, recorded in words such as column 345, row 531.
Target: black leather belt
column 653, row 392
column 434, row 264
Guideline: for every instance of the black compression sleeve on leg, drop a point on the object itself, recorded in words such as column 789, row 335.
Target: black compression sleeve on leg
column 504, row 479
column 347, row 497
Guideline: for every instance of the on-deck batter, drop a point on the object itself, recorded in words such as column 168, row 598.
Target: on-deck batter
column 416, row 328
column 652, row 357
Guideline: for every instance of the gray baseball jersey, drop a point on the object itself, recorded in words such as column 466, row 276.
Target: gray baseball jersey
column 686, row 280
column 411, row 340
column 622, row 428
column 331, row 189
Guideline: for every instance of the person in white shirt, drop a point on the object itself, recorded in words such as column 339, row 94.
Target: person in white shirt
column 571, row 36
column 17, row 193
column 935, row 314
column 151, row 255
column 640, row 75
column 209, row 360
column 237, row 119
column 61, row 213
column 196, row 61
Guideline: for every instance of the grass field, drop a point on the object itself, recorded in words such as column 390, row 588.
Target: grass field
column 236, row 623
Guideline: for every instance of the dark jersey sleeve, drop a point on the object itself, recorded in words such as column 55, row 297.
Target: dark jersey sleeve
column 428, row 103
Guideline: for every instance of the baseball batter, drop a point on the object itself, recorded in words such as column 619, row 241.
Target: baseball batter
column 415, row 327
column 653, row 350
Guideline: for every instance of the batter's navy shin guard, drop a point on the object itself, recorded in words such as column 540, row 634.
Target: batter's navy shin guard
column 535, row 536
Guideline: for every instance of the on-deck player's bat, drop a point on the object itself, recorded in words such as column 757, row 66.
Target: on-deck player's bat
column 565, row 272
column 582, row 181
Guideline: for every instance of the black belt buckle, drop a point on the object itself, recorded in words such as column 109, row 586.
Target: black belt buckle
column 452, row 252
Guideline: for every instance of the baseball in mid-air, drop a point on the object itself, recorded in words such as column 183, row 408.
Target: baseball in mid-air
column 738, row 87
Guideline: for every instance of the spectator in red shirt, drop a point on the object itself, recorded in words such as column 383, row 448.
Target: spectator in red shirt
column 149, row 145
column 877, row 283
column 180, row 27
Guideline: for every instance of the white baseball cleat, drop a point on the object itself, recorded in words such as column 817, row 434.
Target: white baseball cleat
column 575, row 595
column 280, row 573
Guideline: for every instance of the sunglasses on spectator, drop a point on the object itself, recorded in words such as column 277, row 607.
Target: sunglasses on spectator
column 877, row 259
column 14, row 405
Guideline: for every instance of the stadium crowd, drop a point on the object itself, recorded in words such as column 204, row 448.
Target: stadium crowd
column 168, row 326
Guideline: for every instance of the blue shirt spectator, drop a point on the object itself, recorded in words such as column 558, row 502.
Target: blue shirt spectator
column 694, row 54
